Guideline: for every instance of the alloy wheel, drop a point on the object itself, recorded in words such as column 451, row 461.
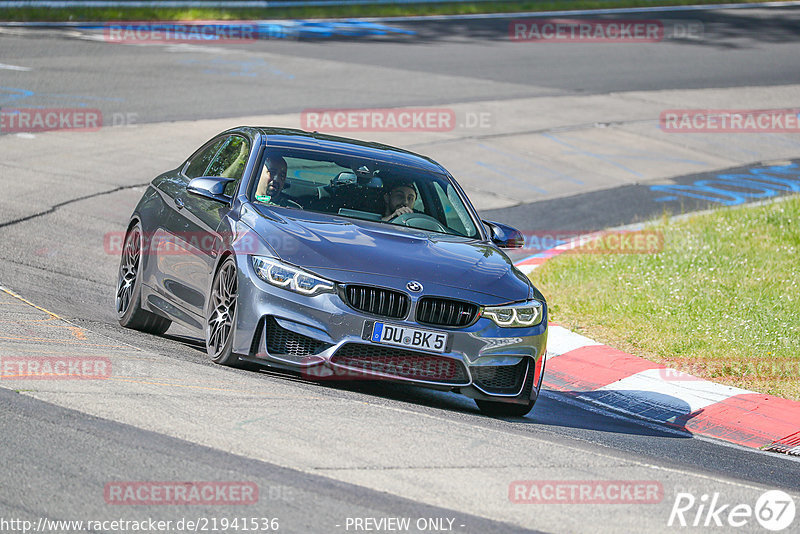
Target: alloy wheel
column 222, row 310
column 128, row 270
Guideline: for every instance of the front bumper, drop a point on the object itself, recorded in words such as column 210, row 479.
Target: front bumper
column 322, row 337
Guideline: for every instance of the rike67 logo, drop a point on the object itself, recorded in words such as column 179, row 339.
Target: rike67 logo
column 774, row 510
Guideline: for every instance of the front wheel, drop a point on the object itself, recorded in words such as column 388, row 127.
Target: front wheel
column 504, row 409
column 221, row 315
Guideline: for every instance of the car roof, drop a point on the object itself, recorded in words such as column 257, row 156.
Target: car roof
column 299, row 139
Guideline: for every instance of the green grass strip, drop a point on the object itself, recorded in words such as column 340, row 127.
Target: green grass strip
column 721, row 301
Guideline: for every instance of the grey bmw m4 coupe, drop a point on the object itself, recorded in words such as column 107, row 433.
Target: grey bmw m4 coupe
column 335, row 258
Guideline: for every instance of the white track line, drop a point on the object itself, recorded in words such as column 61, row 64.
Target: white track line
column 13, row 67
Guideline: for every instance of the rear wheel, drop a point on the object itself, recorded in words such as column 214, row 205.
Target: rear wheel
column 128, row 300
column 221, row 315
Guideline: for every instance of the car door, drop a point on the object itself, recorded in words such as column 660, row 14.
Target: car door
column 188, row 263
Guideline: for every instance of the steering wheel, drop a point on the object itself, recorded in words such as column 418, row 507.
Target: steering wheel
column 419, row 220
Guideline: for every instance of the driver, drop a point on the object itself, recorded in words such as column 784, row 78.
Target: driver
column 270, row 187
column 399, row 200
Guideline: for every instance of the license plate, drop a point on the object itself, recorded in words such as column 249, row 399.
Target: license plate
column 414, row 338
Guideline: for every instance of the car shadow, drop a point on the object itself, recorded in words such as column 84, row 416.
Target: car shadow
column 552, row 409
column 612, row 411
column 637, row 412
column 187, row 341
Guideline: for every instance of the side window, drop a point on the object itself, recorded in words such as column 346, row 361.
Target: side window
column 419, row 205
column 199, row 163
column 455, row 213
column 230, row 162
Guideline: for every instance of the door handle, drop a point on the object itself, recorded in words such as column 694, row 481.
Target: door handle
column 179, row 203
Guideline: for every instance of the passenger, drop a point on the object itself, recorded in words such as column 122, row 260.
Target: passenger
column 399, row 200
column 270, row 187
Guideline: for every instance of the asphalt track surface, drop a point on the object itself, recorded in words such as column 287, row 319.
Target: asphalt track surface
column 738, row 48
column 56, row 458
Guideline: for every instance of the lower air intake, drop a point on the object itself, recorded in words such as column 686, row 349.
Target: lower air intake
column 281, row 341
column 500, row 379
column 401, row 363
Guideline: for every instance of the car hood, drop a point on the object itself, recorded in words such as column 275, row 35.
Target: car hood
column 349, row 250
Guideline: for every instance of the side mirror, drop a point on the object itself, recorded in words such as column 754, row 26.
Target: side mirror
column 505, row 236
column 211, row 187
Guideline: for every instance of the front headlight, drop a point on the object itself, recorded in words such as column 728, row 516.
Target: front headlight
column 515, row 315
column 280, row 274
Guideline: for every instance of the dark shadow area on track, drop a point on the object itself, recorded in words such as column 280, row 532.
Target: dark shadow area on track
column 188, row 342
column 645, row 404
column 546, row 412
column 607, row 422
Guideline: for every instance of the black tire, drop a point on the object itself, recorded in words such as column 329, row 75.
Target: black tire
column 221, row 315
column 128, row 298
column 505, row 409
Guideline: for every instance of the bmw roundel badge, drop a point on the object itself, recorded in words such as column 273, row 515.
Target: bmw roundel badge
column 414, row 286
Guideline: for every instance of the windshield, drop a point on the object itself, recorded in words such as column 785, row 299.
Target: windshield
column 359, row 188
